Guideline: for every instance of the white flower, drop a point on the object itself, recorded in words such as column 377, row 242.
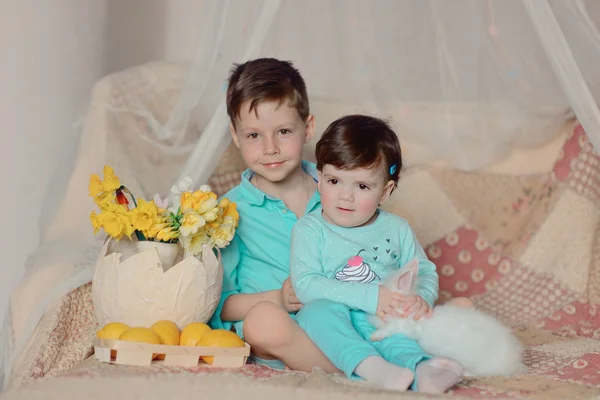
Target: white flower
column 184, row 185
column 160, row 202
column 204, row 188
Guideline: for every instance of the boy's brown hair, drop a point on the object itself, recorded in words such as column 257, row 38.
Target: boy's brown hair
column 360, row 141
column 266, row 79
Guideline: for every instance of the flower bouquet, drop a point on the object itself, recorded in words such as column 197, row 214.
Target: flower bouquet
column 195, row 219
column 136, row 280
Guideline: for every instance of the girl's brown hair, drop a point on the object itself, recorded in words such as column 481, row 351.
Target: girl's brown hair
column 360, row 141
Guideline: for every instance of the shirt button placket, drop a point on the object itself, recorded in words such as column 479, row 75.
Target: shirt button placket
column 289, row 218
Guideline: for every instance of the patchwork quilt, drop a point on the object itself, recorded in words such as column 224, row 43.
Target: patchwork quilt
column 524, row 248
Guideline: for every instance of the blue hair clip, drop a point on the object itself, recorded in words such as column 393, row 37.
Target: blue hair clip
column 393, row 169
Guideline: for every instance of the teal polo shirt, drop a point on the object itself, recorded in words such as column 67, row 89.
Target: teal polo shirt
column 258, row 258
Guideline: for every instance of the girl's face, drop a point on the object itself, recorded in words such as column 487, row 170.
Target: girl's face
column 350, row 198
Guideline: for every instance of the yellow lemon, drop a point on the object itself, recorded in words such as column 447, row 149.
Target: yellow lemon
column 141, row 335
column 192, row 333
column 167, row 332
column 112, row 331
column 219, row 338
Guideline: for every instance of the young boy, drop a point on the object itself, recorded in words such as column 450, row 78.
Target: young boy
column 270, row 123
column 342, row 252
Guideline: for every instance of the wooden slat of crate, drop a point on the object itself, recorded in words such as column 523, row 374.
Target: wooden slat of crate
column 134, row 353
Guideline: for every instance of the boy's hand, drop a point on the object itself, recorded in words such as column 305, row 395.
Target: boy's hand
column 288, row 298
column 416, row 306
column 388, row 302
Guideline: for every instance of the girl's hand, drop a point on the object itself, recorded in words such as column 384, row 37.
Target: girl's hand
column 288, row 299
column 388, row 303
column 415, row 305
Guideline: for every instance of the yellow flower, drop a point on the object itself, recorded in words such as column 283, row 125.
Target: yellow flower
column 103, row 191
column 171, row 235
column 193, row 244
column 144, row 215
column 111, row 181
column 231, row 211
column 211, row 215
column 189, row 201
column 222, row 236
column 95, row 187
column 223, row 203
column 111, row 206
column 116, row 223
column 105, row 201
column 223, row 209
column 158, row 226
column 207, row 205
column 96, row 222
column 194, row 200
column 167, row 234
column 191, row 222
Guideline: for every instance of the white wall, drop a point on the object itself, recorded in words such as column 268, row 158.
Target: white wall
column 135, row 32
column 183, row 27
column 51, row 53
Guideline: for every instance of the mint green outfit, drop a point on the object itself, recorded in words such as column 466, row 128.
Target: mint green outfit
column 258, row 258
column 339, row 292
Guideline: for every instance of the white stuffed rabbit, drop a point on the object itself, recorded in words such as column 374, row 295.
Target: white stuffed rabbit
column 480, row 343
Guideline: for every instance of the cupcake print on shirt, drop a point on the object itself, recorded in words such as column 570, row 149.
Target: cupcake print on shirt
column 356, row 270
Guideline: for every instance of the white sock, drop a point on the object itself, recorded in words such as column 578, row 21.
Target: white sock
column 385, row 374
column 438, row 375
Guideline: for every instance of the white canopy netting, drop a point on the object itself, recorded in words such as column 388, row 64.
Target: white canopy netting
column 462, row 81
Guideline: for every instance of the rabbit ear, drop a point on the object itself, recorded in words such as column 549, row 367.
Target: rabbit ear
column 408, row 273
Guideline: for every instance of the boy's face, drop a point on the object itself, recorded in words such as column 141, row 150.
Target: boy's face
column 271, row 138
column 350, row 197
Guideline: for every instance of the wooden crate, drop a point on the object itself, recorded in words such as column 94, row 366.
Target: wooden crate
column 133, row 353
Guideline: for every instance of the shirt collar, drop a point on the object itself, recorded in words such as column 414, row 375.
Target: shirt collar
column 257, row 197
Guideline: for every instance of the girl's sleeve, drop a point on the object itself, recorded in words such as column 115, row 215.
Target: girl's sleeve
column 310, row 280
column 427, row 279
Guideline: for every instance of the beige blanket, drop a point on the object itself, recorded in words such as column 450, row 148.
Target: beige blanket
column 525, row 249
